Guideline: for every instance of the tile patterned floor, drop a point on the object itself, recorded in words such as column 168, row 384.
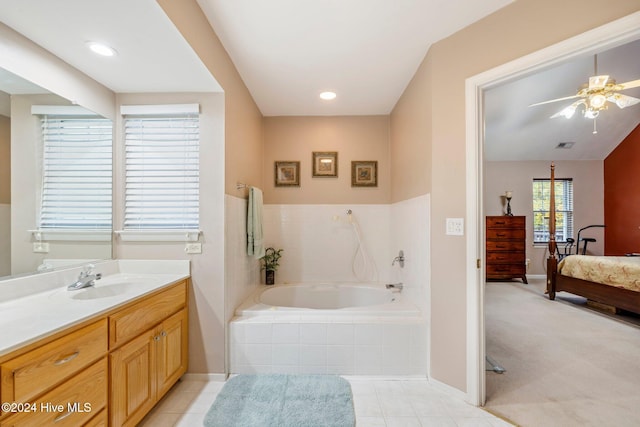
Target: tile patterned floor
column 384, row 403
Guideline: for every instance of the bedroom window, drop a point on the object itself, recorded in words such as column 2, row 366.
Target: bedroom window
column 564, row 209
column 76, row 173
column 161, row 167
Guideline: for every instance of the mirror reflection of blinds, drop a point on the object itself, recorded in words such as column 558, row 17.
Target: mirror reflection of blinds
column 77, row 173
column 162, row 172
column 564, row 209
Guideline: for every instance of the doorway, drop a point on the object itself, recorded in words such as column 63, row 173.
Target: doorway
column 610, row 35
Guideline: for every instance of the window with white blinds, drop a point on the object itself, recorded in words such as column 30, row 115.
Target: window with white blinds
column 162, row 172
column 564, row 209
column 77, row 173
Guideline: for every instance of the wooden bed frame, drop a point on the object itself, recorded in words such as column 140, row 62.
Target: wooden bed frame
column 604, row 294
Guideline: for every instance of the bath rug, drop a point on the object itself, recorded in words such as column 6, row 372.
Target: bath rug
column 282, row 400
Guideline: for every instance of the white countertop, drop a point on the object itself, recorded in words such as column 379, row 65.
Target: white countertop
column 27, row 316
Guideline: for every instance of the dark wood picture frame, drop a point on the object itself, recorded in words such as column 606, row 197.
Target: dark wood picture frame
column 325, row 164
column 364, row 173
column 287, row 174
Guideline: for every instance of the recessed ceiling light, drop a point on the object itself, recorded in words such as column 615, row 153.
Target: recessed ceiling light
column 328, row 96
column 101, row 49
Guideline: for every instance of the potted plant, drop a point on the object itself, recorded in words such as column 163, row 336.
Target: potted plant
column 270, row 263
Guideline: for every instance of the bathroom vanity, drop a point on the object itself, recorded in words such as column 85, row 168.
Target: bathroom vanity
column 98, row 356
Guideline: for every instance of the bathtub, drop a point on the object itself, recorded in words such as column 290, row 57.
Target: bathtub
column 328, row 328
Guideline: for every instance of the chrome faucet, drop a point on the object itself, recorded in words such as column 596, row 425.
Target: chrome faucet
column 395, row 287
column 85, row 279
column 399, row 259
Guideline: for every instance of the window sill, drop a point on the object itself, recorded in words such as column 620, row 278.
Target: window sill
column 55, row 234
column 158, row 235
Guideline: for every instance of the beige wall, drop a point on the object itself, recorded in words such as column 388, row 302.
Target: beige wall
column 410, row 128
column 243, row 120
column 5, row 159
column 353, row 137
column 522, row 27
column 588, row 196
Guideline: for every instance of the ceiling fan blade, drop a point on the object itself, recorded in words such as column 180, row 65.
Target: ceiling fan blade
column 598, row 82
column 629, row 85
column 623, row 101
column 555, row 100
column 568, row 111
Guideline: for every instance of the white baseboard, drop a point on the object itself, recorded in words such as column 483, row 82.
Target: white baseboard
column 205, row 377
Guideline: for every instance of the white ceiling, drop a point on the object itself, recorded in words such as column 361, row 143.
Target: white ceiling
column 288, row 51
column 152, row 55
column 515, row 131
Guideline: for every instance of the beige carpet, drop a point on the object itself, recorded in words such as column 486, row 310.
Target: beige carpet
column 565, row 365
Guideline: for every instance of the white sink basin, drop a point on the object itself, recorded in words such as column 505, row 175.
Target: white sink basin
column 107, row 287
column 95, row 292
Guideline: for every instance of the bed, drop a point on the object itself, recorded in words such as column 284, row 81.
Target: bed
column 613, row 281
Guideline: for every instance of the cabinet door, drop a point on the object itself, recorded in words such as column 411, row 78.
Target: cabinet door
column 133, row 380
column 172, row 351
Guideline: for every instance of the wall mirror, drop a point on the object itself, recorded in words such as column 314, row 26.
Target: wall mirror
column 44, row 224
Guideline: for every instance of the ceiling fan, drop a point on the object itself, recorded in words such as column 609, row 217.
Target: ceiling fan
column 595, row 95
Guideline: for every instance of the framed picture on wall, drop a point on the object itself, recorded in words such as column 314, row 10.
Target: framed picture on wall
column 325, row 164
column 287, row 174
column 364, row 173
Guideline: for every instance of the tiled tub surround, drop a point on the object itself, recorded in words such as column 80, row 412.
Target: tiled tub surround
column 319, row 245
column 387, row 339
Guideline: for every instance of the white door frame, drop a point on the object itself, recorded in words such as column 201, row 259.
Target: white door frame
column 607, row 36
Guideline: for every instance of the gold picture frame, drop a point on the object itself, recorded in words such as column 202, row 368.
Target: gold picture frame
column 287, row 174
column 364, row 173
column 325, row 164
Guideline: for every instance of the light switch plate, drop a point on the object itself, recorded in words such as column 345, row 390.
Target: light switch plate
column 455, row 226
column 193, row 248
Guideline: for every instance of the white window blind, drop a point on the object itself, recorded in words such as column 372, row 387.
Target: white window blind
column 162, row 172
column 77, row 173
column 564, row 209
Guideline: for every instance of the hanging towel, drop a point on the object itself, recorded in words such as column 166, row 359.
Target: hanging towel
column 255, row 243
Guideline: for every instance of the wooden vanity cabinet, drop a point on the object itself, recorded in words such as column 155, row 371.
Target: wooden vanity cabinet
column 107, row 371
column 145, row 368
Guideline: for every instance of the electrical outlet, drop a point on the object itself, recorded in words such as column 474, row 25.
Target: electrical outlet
column 40, row 247
column 455, row 226
column 193, row 248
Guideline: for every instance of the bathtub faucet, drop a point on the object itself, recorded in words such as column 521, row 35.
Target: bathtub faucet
column 399, row 259
column 395, row 287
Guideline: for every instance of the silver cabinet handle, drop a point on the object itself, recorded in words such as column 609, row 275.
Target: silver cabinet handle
column 66, row 359
column 62, row 417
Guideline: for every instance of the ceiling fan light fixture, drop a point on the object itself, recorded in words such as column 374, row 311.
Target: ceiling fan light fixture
column 597, row 101
column 591, row 114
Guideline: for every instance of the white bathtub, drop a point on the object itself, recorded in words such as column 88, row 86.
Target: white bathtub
column 328, row 328
column 326, row 296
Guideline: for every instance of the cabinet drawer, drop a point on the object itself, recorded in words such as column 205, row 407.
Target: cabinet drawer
column 505, row 257
column 506, row 234
column 506, row 221
column 34, row 372
column 100, row 420
column 73, row 403
column 505, row 246
column 505, row 269
column 134, row 320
